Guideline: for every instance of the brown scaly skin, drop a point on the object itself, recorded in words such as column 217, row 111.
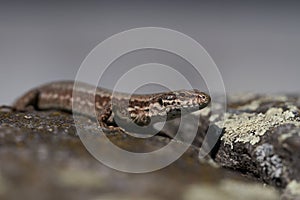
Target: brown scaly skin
column 143, row 110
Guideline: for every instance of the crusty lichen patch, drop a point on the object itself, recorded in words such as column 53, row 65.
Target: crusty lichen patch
column 249, row 127
column 270, row 163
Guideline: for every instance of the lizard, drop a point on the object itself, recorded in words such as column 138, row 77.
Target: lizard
column 113, row 110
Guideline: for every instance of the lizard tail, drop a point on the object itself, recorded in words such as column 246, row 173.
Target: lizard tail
column 28, row 99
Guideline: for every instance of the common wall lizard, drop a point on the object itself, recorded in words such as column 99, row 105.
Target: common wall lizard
column 143, row 110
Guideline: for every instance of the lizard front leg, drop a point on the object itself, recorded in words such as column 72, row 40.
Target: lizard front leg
column 105, row 119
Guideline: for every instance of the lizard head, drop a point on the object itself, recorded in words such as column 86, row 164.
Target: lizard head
column 159, row 107
column 175, row 103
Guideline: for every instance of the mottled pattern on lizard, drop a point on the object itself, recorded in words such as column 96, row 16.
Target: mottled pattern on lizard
column 143, row 110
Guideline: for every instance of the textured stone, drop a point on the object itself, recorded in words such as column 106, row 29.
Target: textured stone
column 42, row 157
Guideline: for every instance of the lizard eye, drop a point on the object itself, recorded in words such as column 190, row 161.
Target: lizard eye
column 202, row 97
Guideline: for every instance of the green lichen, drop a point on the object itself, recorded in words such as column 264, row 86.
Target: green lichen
column 249, row 127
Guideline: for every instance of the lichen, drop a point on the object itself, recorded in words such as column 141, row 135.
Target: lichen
column 270, row 163
column 249, row 127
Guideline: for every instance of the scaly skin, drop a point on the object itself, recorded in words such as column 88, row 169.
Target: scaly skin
column 143, row 110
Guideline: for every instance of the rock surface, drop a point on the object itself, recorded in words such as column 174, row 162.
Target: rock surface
column 42, row 157
column 262, row 138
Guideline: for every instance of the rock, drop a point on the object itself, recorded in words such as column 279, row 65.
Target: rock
column 42, row 156
column 261, row 139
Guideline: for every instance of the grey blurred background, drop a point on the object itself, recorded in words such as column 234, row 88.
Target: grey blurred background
column 255, row 44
